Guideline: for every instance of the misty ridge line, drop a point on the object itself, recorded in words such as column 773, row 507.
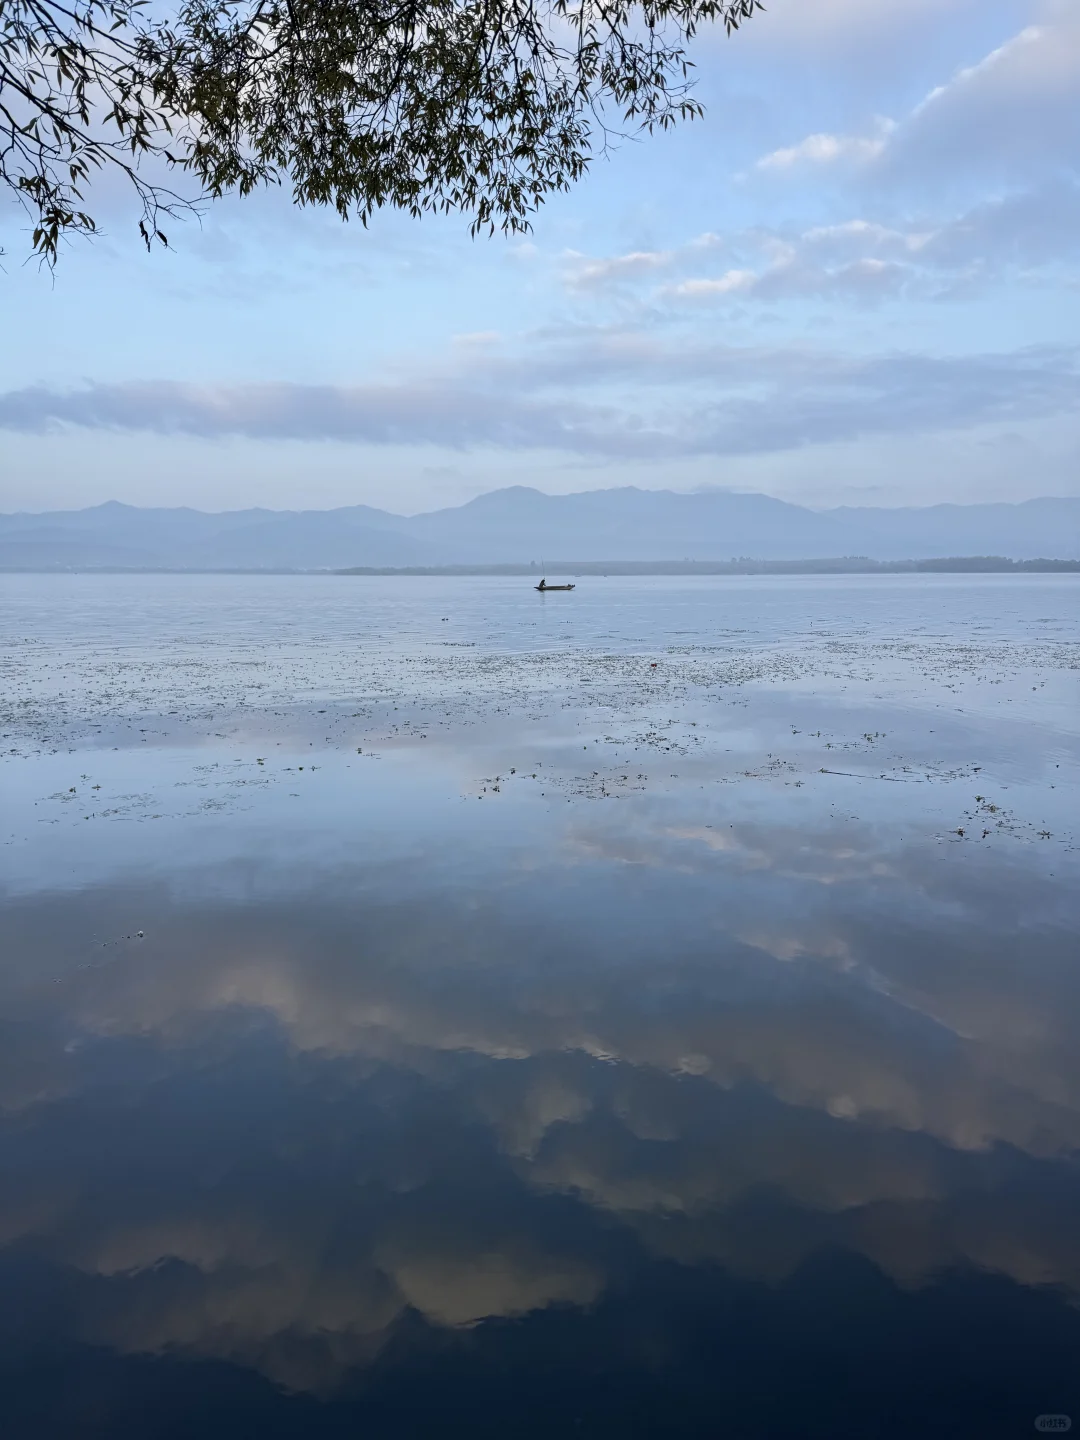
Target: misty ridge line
column 520, row 527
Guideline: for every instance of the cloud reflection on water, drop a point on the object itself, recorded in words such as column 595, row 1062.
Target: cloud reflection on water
column 279, row 1126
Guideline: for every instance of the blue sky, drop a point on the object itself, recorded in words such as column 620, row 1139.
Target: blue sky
column 856, row 280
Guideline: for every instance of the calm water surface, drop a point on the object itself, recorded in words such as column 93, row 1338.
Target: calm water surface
column 429, row 1008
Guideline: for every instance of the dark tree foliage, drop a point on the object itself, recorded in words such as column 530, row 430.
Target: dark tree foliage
column 479, row 106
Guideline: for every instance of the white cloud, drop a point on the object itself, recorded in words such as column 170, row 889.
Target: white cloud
column 863, row 260
column 733, row 282
column 581, row 272
column 1010, row 120
column 861, row 235
column 866, row 279
column 1014, row 114
column 824, row 149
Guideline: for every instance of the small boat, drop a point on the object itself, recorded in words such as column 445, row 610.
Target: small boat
column 544, row 586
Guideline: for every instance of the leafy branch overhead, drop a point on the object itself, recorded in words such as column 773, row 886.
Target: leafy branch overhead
column 482, row 106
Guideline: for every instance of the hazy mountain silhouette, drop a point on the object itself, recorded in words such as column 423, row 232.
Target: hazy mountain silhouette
column 519, row 525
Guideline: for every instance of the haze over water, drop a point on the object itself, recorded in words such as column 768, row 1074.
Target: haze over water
column 434, row 1008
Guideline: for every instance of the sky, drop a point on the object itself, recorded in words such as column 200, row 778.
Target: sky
column 856, row 280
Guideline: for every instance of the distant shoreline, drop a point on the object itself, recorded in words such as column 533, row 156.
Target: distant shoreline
column 854, row 565
column 955, row 565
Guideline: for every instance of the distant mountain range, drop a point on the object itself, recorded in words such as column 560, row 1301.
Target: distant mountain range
column 520, row 525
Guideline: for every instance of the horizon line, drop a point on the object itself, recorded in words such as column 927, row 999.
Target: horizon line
column 602, row 569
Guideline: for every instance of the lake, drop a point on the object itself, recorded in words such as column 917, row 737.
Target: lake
column 434, row 1008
